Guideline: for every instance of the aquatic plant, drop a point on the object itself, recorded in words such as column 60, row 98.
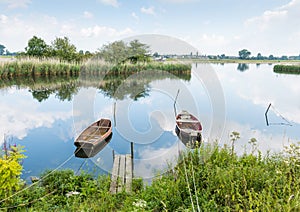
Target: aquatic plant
column 287, row 69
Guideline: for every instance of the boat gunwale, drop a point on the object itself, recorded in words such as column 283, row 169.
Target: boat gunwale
column 96, row 141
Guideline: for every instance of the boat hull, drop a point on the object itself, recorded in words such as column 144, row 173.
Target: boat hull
column 95, row 134
column 91, row 150
column 188, row 129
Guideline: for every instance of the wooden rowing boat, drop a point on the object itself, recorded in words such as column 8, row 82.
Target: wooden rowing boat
column 91, row 151
column 94, row 134
column 188, row 128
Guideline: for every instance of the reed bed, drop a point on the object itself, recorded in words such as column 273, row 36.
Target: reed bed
column 103, row 68
column 287, row 69
column 52, row 67
column 35, row 67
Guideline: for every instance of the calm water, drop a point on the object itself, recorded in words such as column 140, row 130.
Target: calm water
column 225, row 98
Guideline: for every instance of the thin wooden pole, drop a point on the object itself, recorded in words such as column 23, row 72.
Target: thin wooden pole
column 132, row 155
column 266, row 114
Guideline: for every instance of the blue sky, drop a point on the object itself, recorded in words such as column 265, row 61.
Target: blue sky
column 212, row 26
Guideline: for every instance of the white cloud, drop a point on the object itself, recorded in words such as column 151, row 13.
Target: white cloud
column 148, row 11
column 88, row 15
column 207, row 42
column 12, row 26
column 16, row 3
column 17, row 121
column 97, row 30
column 153, row 161
column 113, row 3
column 3, row 19
column 134, row 15
column 276, row 30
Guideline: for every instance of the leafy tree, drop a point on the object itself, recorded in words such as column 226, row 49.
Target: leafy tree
column 284, row 57
column 118, row 52
column 37, row 47
column 156, row 54
column 2, row 49
column 259, row 56
column 244, row 54
column 137, row 48
column 64, row 50
column 115, row 52
column 271, row 57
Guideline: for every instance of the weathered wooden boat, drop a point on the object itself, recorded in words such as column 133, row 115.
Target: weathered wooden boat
column 188, row 128
column 90, row 151
column 95, row 134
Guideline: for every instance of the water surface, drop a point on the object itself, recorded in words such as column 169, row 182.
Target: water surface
column 46, row 119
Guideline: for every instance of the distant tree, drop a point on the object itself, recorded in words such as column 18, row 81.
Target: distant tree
column 155, row 54
column 284, row 57
column 118, row 52
column 244, row 54
column 2, row 49
column 64, row 50
column 222, row 56
column 37, row 47
column 259, row 56
column 271, row 57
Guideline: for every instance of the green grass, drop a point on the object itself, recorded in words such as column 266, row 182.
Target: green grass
column 210, row 178
column 287, row 69
column 34, row 67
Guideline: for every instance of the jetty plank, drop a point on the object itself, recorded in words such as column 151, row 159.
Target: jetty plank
column 122, row 174
column 115, row 174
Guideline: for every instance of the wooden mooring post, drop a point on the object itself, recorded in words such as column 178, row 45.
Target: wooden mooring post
column 122, row 172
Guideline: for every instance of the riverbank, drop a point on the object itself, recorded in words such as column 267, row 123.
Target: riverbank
column 210, row 178
column 11, row 67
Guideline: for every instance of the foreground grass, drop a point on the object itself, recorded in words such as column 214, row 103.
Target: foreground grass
column 209, row 178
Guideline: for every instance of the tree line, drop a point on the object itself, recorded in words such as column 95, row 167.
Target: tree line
column 245, row 54
column 115, row 52
column 61, row 48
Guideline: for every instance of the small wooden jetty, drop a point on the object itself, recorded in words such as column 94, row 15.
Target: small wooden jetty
column 122, row 173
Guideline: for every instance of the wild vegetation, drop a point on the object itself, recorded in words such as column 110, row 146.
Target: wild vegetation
column 31, row 67
column 287, row 69
column 209, row 178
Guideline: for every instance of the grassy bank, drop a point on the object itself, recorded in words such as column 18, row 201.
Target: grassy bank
column 35, row 67
column 287, row 69
column 107, row 69
column 210, row 179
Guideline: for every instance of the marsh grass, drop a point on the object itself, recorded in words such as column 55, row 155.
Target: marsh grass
column 287, row 69
column 103, row 68
column 36, row 67
column 209, row 178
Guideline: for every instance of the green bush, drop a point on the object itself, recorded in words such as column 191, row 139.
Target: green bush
column 10, row 171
